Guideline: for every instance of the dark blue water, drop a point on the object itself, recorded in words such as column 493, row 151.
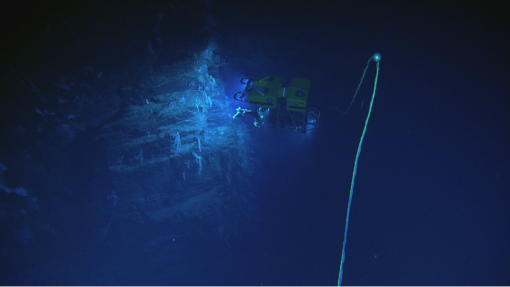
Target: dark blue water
column 430, row 203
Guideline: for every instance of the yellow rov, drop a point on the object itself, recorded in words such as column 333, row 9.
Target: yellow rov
column 282, row 105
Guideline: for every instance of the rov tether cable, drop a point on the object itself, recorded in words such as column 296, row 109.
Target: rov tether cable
column 376, row 57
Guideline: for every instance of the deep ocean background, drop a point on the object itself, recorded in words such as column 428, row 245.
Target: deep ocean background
column 431, row 199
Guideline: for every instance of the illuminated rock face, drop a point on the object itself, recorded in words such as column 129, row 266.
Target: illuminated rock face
column 171, row 156
column 121, row 148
